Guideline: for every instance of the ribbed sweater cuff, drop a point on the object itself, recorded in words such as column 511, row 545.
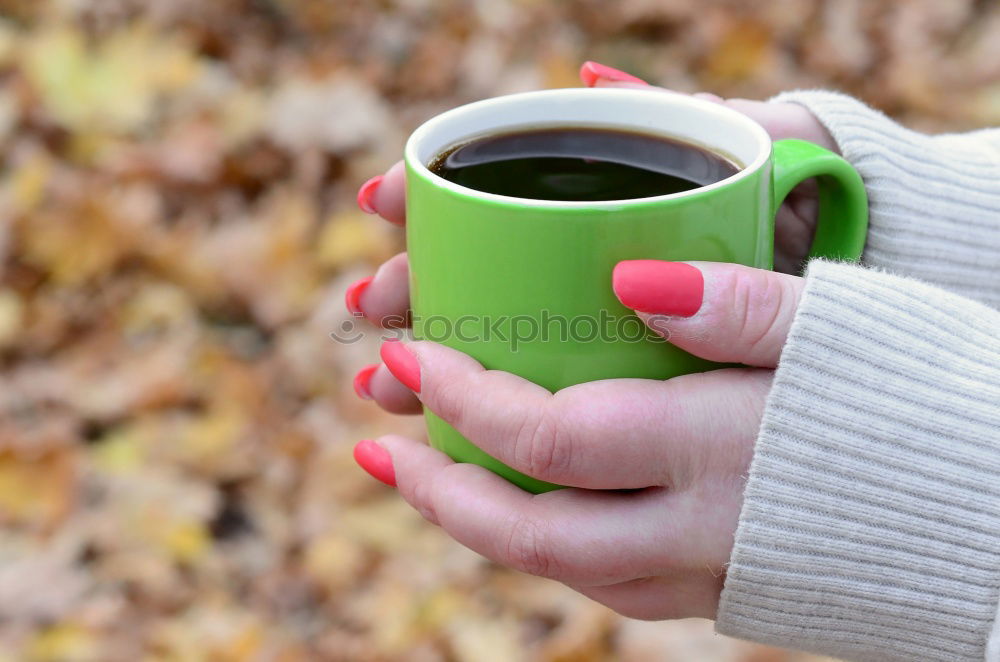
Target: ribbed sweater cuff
column 934, row 201
column 870, row 528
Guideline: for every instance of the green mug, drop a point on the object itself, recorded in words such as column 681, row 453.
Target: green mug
column 524, row 285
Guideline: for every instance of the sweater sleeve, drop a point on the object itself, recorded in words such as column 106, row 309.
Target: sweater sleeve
column 934, row 201
column 870, row 528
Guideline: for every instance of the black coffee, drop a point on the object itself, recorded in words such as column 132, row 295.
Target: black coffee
column 581, row 164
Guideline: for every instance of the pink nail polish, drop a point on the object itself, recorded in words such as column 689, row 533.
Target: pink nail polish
column 352, row 297
column 362, row 380
column 591, row 72
column 401, row 363
column 366, row 194
column 657, row 286
column 376, row 461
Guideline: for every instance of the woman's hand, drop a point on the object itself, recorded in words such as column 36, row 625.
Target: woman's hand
column 681, row 447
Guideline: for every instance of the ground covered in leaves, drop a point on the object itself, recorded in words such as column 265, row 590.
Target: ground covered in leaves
column 177, row 228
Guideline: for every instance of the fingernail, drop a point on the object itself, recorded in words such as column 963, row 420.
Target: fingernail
column 362, row 379
column 376, row 461
column 352, row 297
column 591, row 72
column 401, row 363
column 367, row 192
column 655, row 286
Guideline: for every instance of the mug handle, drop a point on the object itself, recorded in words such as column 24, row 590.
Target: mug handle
column 842, row 221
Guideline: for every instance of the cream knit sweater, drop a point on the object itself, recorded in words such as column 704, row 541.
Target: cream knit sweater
column 870, row 527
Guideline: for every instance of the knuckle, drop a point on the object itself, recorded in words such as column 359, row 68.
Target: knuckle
column 449, row 400
column 542, row 449
column 757, row 299
column 528, row 548
column 741, row 290
column 421, row 497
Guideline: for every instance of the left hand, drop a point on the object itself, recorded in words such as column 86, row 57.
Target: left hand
column 681, row 446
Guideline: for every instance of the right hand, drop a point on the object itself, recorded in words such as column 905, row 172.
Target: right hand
column 386, row 298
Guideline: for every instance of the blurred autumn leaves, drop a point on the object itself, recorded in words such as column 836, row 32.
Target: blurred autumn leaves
column 177, row 228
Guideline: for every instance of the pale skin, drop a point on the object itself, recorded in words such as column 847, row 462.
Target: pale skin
column 682, row 447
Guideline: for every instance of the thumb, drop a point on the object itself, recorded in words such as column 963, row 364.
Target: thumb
column 718, row 311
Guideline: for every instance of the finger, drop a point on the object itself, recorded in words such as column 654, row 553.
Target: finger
column 661, row 598
column 609, row 434
column 385, row 299
column 412, row 467
column 593, row 73
column 385, row 195
column 377, row 383
column 794, row 227
column 581, row 536
column 631, row 85
column 780, row 120
column 718, row 311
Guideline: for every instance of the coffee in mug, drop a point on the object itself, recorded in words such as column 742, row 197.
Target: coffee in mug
column 580, row 163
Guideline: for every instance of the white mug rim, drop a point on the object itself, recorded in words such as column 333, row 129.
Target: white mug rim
column 713, row 112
